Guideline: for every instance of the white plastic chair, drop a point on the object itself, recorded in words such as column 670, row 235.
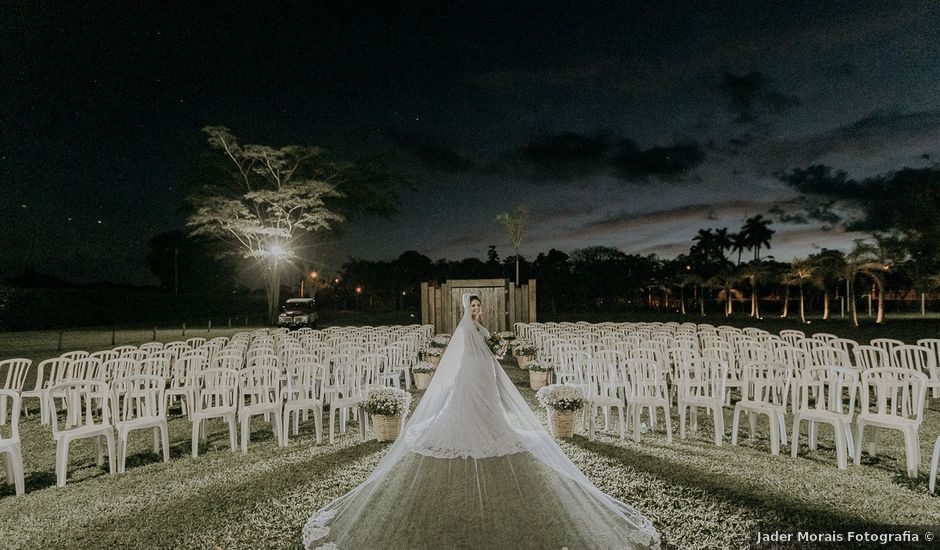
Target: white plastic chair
column 183, row 381
column 215, row 395
column 48, row 373
column 303, row 395
column 260, row 393
column 887, row 344
column 88, row 416
column 139, row 402
column 700, row 383
column 765, row 391
column 10, row 446
column 12, row 377
column 648, row 389
column 933, row 377
column 600, row 393
column 893, row 388
column 834, row 390
column 871, row 357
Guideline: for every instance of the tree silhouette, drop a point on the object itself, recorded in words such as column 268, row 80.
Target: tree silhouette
column 756, row 234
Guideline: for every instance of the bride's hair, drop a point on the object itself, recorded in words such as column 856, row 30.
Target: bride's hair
column 475, row 297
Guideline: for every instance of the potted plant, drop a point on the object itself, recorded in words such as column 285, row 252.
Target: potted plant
column 440, row 341
column 423, row 372
column 386, row 405
column 433, row 356
column 538, row 374
column 525, row 353
column 561, row 402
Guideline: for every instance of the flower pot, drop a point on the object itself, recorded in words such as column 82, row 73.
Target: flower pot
column 562, row 423
column 386, row 428
column 524, row 360
column 538, row 379
column 434, row 359
column 422, row 379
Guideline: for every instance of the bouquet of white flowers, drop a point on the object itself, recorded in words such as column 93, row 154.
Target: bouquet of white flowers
column 433, row 352
column 440, row 341
column 524, row 347
column 422, row 367
column 560, row 397
column 498, row 346
column 540, row 366
column 387, row 401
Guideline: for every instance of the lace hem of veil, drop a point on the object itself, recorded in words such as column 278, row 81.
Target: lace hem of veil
column 315, row 529
column 490, row 452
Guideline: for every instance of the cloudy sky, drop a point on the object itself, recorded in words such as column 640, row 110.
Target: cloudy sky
column 622, row 125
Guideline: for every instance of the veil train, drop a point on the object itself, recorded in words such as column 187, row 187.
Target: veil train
column 473, row 467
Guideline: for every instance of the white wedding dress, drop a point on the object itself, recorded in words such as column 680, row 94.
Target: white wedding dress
column 473, row 468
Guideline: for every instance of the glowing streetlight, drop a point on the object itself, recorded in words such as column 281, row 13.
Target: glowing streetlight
column 358, row 290
column 313, row 274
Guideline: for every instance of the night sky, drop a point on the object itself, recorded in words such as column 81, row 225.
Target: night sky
column 632, row 126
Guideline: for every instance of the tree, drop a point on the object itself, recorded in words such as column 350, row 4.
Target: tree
column 754, row 273
column 516, row 223
column 829, row 265
column 756, row 234
column 802, row 272
column 725, row 281
column 553, row 272
column 271, row 199
column 874, row 260
column 739, row 243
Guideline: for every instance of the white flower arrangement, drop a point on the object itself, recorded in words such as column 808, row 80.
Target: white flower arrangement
column 422, row 367
column 560, row 397
column 540, row 366
column 508, row 335
column 498, row 346
column 524, row 347
column 387, row 401
column 440, row 341
column 433, row 352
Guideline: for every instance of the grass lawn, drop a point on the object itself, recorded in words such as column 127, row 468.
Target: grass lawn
column 698, row 495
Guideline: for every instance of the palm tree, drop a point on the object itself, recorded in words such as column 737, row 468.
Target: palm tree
column 725, row 281
column 754, row 272
column 874, row 260
column 829, row 266
column 687, row 279
column 757, row 233
column 801, row 272
column 739, row 242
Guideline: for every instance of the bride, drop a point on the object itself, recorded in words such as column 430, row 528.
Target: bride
column 475, row 468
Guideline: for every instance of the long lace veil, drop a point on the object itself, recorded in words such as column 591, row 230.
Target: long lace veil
column 475, row 466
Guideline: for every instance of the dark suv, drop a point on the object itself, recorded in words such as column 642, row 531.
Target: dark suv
column 298, row 312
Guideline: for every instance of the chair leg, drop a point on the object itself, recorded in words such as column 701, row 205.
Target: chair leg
column 165, row 440
column 718, row 418
column 859, row 443
column 156, row 439
column 774, row 433
column 276, row 426
column 933, row 465
column 109, row 440
column 621, row 417
column 841, row 446
column 17, row 466
column 751, row 425
column 318, row 423
column 668, row 424
column 99, row 457
column 245, row 420
column 873, row 443
column 913, row 452
column 681, row 421
column 735, row 422
column 795, row 436
column 232, row 433
column 62, row 460
column 121, row 451
column 285, row 426
column 813, row 441
column 636, row 423
column 195, row 439
column 331, row 423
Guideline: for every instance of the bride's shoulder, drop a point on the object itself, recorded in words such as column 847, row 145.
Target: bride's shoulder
column 482, row 329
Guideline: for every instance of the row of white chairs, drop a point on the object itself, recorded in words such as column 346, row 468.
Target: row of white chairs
column 818, row 387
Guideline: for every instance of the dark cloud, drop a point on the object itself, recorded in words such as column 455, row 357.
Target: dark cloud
column 751, row 97
column 569, row 155
column 430, row 151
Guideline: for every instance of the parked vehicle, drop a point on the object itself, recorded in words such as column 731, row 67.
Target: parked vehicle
column 298, row 312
